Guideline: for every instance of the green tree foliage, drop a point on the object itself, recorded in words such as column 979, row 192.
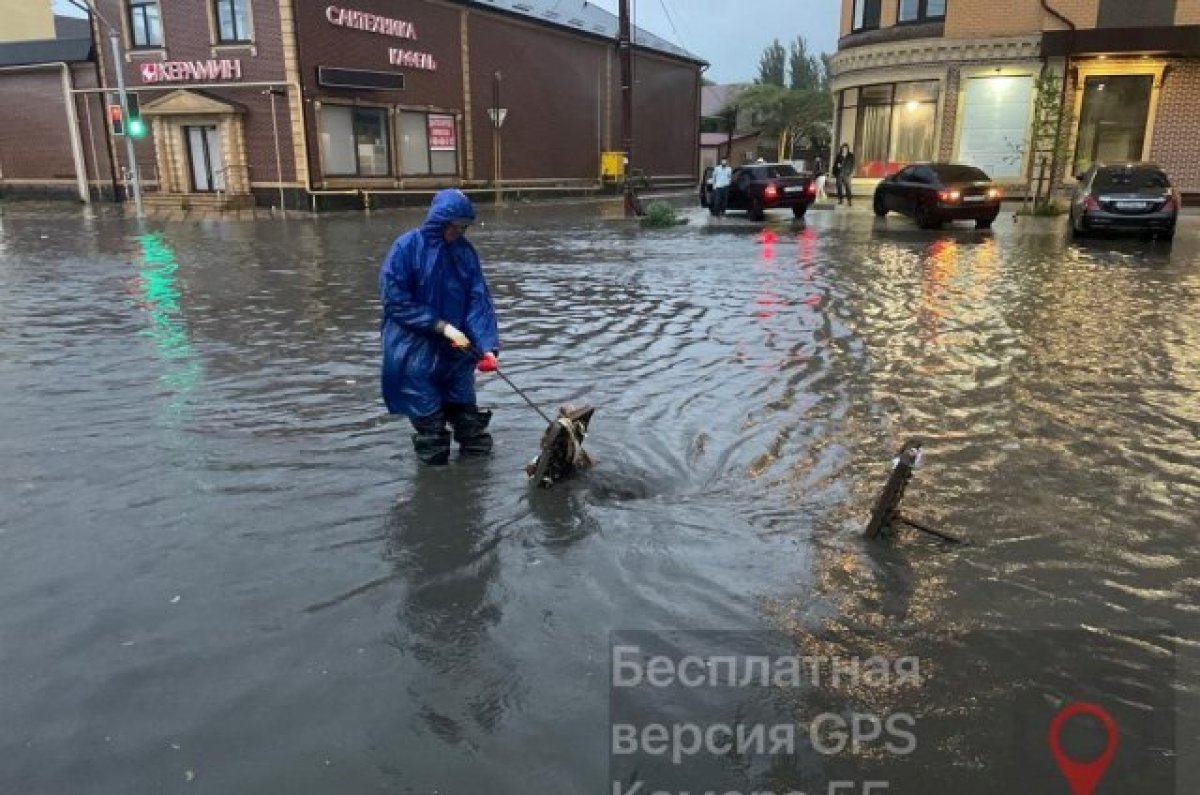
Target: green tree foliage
column 772, row 66
column 805, row 69
column 801, row 108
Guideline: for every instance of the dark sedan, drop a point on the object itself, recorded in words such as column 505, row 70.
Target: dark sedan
column 934, row 193
column 759, row 187
column 1134, row 197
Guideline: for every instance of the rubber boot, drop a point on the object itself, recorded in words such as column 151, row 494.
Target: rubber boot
column 431, row 441
column 470, row 429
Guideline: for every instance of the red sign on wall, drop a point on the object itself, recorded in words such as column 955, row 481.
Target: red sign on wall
column 442, row 136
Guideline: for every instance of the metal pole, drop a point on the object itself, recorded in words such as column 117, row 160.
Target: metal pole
column 73, row 132
column 119, row 69
column 278, row 159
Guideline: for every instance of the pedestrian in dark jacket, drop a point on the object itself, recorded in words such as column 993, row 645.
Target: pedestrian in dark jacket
column 843, row 171
column 438, row 326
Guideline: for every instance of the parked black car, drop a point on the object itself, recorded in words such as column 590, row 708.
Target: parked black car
column 1125, row 196
column 934, row 193
column 758, row 187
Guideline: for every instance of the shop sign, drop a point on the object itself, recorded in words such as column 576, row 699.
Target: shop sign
column 181, row 71
column 371, row 23
column 411, row 59
column 442, row 136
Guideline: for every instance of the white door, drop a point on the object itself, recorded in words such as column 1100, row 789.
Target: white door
column 206, row 159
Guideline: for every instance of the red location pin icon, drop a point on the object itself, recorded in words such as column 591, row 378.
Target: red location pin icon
column 1083, row 776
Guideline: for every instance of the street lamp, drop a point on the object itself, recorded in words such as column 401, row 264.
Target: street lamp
column 114, row 39
column 498, row 115
column 274, row 92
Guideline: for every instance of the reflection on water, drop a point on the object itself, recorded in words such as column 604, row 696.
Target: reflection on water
column 158, row 295
column 347, row 622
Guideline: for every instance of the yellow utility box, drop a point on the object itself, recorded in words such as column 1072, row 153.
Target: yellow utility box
column 612, row 165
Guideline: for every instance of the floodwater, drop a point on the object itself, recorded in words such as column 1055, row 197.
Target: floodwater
column 221, row 570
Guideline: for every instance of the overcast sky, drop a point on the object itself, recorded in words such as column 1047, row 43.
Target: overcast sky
column 729, row 34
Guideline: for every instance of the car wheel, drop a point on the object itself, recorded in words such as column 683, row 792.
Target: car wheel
column 799, row 210
column 985, row 223
column 879, row 206
column 925, row 218
column 756, row 210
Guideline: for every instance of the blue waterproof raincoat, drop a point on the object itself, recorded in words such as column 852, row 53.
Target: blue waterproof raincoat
column 424, row 280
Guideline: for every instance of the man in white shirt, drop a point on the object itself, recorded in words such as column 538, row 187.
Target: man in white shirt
column 722, row 176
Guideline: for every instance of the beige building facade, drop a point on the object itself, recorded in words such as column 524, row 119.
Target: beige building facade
column 955, row 80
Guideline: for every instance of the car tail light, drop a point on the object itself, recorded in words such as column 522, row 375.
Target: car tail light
column 812, row 188
column 771, row 192
column 1171, row 204
column 1090, row 204
column 995, row 193
column 949, row 195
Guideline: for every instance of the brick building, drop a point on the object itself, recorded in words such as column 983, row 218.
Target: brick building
column 955, row 80
column 52, row 138
column 324, row 102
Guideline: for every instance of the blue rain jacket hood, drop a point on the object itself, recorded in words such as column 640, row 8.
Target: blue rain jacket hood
column 425, row 280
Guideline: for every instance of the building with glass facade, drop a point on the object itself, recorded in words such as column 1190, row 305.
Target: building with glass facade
column 920, row 80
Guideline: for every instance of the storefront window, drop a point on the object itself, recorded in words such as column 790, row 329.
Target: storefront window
column 428, row 144
column 233, row 20
column 848, row 117
column 354, row 141
column 995, row 123
column 145, row 24
column 888, row 125
column 1112, row 123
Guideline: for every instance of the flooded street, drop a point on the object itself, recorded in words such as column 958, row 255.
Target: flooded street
column 222, row 572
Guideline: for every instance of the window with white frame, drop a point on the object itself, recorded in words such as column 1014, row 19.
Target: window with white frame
column 145, row 23
column 355, row 141
column 233, row 21
column 428, row 144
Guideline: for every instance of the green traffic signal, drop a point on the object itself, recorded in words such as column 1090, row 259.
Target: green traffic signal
column 137, row 128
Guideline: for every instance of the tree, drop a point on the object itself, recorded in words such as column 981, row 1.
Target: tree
column 788, row 114
column 1049, row 138
column 772, row 66
column 805, row 69
column 785, row 113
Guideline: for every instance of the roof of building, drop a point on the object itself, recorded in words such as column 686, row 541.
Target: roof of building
column 713, row 99
column 72, row 43
column 71, row 27
column 582, row 16
column 720, row 138
column 29, row 53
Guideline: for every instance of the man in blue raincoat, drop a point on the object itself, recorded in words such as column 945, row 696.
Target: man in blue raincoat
column 438, row 326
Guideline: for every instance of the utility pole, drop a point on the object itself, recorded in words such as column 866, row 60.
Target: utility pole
column 114, row 40
column 625, row 49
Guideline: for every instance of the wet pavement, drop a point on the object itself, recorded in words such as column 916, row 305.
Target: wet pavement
column 222, row 572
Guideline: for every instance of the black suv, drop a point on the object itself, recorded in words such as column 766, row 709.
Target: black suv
column 759, row 187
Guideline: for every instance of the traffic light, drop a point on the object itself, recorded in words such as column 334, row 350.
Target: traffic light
column 116, row 118
column 124, row 121
column 133, row 119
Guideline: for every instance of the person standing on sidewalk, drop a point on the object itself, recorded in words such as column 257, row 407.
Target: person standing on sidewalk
column 722, row 176
column 438, row 325
column 843, row 171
